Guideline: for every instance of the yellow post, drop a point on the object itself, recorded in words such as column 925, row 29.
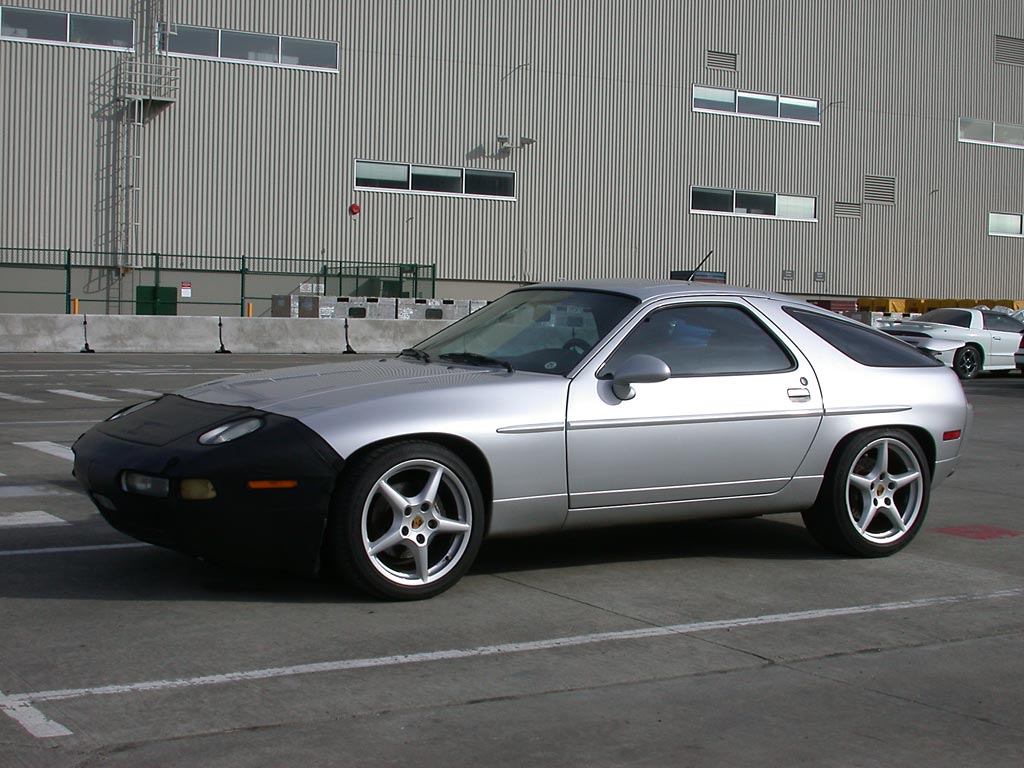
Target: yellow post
column 248, row 309
column 74, row 306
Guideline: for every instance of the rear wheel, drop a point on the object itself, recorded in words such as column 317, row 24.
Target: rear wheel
column 967, row 362
column 875, row 495
column 407, row 522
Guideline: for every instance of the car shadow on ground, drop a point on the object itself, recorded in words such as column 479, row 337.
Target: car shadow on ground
column 147, row 573
column 750, row 538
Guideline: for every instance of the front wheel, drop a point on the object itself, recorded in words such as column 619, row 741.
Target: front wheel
column 967, row 362
column 407, row 522
column 874, row 497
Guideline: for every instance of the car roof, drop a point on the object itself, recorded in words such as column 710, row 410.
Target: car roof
column 647, row 290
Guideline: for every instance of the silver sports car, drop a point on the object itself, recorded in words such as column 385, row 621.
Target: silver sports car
column 556, row 407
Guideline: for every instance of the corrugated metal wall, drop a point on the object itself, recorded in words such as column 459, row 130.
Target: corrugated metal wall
column 259, row 160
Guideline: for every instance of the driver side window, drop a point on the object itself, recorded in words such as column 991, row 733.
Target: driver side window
column 704, row 340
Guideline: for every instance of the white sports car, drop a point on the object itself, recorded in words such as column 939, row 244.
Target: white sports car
column 980, row 340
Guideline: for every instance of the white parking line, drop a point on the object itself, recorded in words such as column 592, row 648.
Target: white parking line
column 65, row 550
column 20, row 706
column 53, row 449
column 19, row 399
column 34, row 518
column 21, row 491
column 146, row 392
column 82, row 395
column 69, row 421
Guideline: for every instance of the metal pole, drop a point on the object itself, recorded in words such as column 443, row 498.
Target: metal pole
column 156, row 282
column 67, row 281
column 241, row 288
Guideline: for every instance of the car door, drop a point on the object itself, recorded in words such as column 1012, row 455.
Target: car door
column 735, row 418
column 1005, row 333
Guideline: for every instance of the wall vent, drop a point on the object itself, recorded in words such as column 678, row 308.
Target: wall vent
column 880, row 190
column 721, row 60
column 847, row 210
column 1009, row 50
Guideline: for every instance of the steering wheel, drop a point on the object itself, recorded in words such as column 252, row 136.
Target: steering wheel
column 579, row 346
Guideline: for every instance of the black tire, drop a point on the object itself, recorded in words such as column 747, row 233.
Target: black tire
column 385, row 496
column 874, row 497
column 967, row 362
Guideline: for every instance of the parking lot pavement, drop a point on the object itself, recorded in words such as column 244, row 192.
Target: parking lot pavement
column 719, row 643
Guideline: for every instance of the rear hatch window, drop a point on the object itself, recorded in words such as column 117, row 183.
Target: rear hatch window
column 861, row 343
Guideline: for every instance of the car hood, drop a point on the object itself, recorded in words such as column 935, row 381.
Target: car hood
column 309, row 389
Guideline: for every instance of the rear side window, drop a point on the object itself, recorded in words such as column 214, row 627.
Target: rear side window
column 958, row 317
column 861, row 343
column 996, row 321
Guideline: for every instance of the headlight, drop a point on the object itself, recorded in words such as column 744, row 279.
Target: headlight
column 145, row 485
column 228, row 432
column 131, row 409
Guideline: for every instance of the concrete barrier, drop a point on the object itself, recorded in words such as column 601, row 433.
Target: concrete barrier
column 390, row 335
column 152, row 333
column 142, row 333
column 41, row 333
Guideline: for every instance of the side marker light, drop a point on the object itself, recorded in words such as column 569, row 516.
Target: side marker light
column 953, row 435
column 262, row 485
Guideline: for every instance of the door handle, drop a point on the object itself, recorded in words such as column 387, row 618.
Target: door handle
column 799, row 394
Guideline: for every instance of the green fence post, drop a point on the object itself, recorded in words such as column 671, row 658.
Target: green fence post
column 241, row 288
column 67, row 281
column 156, row 283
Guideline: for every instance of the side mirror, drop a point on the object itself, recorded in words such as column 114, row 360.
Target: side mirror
column 639, row 369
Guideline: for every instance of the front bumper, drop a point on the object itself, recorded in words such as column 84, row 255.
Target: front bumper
column 279, row 528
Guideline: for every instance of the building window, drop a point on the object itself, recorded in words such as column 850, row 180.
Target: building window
column 230, row 45
column 435, row 179
column 490, row 183
column 1005, row 224
column 427, row 178
column 318, row 54
column 243, row 46
column 192, row 41
column 988, row 132
column 742, row 203
column 761, row 105
column 76, row 29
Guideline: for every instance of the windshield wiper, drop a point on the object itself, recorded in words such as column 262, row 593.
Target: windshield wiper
column 419, row 354
column 472, row 358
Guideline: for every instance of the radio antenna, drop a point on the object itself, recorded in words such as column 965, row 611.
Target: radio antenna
column 694, row 272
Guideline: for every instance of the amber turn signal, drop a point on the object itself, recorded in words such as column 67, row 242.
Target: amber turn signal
column 260, row 485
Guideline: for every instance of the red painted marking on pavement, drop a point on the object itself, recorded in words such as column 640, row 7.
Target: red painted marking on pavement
column 978, row 531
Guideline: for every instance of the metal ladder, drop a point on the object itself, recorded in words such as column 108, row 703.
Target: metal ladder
column 146, row 84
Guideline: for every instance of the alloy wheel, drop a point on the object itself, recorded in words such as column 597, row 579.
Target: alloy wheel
column 416, row 522
column 884, row 491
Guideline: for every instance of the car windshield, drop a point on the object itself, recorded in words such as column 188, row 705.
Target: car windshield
column 540, row 330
